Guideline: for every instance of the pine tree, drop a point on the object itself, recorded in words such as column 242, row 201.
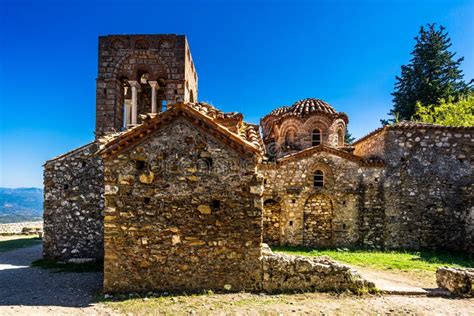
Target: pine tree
column 432, row 74
column 349, row 138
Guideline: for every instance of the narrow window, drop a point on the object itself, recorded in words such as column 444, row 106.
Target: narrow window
column 290, row 138
column 340, row 138
column 318, row 179
column 316, row 137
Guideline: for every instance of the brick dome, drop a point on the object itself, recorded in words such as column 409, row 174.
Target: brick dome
column 310, row 105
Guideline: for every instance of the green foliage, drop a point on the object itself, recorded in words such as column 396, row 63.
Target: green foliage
column 449, row 113
column 432, row 74
column 20, row 242
column 397, row 260
column 58, row 266
column 349, row 139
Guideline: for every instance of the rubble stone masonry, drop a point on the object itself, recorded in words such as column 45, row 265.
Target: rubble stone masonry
column 182, row 213
column 73, row 205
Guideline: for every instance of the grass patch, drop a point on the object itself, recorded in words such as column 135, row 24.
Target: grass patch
column 20, row 242
column 59, row 266
column 427, row 260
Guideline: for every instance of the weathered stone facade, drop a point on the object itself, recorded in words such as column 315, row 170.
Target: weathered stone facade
column 427, row 185
column 283, row 273
column 171, row 224
column 189, row 192
column 73, row 205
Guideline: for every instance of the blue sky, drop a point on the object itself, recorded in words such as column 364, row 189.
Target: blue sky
column 251, row 56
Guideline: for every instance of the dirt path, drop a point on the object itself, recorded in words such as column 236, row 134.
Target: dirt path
column 400, row 282
column 34, row 291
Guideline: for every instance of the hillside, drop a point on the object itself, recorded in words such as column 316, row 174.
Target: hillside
column 19, row 205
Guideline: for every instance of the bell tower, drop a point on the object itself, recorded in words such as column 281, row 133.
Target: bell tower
column 141, row 74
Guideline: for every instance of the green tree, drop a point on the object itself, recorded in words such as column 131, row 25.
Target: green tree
column 432, row 74
column 448, row 112
column 348, row 138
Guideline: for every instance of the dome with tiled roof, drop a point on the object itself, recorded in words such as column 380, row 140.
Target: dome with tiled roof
column 310, row 105
column 279, row 111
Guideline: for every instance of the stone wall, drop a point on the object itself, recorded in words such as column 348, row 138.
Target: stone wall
column 284, row 273
column 73, row 205
column 455, row 280
column 183, row 212
column 428, row 188
column 371, row 145
column 331, row 215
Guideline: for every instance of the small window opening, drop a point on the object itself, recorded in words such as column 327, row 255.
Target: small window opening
column 105, row 91
column 147, row 200
column 291, row 223
column 316, row 137
column 140, row 165
column 293, row 201
column 340, row 138
column 215, row 204
column 264, row 181
column 343, row 202
column 343, row 226
column 66, row 186
column 318, row 179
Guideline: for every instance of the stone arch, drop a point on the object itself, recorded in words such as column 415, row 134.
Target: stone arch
column 127, row 66
column 316, row 122
column 271, row 221
column 318, row 215
column 141, row 44
column 118, row 44
column 337, row 132
column 328, row 175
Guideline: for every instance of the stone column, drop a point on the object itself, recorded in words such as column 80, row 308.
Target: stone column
column 135, row 89
column 154, row 86
column 128, row 112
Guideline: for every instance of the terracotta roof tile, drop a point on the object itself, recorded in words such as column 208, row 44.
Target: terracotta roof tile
column 247, row 140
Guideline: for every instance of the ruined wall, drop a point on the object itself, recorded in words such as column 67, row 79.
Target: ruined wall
column 73, row 205
column 173, row 224
column 328, row 216
column 285, row 273
column 428, row 188
column 122, row 58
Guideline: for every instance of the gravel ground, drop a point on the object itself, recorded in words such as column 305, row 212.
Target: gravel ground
column 27, row 290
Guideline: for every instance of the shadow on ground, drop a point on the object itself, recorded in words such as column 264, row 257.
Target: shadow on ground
column 22, row 284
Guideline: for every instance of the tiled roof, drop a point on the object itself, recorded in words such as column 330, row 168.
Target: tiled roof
column 204, row 116
column 305, row 108
column 372, row 162
column 311, row 105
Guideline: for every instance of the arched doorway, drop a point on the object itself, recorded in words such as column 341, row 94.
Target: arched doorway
column 317, row 218
column 271, row 222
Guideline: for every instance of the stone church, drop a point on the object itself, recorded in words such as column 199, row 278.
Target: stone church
column 175, row 194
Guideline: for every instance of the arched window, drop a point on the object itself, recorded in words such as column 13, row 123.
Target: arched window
column 316, row 137
column 340, row 137
column 318, row 179
column 290, row 137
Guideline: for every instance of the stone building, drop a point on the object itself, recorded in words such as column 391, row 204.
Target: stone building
column 176, row 194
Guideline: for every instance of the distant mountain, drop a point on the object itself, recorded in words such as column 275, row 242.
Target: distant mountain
column 20, row 205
